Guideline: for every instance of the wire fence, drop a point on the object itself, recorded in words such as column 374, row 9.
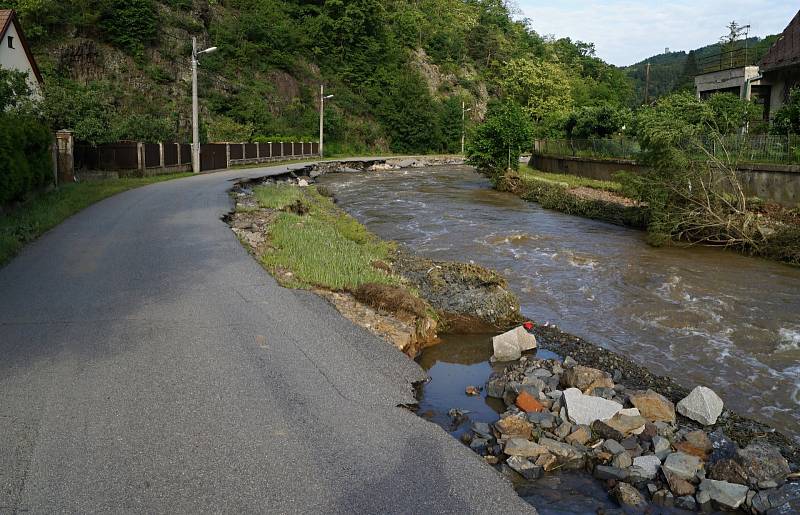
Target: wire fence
column 767, row 149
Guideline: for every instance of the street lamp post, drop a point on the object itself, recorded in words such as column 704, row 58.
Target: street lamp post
column 195, row 106
column 322, row 99
column 464, row 112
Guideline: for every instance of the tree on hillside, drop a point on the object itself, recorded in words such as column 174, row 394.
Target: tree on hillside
column 129, row 24
column 542, row 89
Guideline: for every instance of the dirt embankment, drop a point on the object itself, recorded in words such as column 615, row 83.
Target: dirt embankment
column 581, row 201
column 421, row 299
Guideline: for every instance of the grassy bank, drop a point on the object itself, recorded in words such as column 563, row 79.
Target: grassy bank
column 306, row 241
column 575, row 195
column 319, row 244
column 602, row 200
column 43, row 212
column 569, row 181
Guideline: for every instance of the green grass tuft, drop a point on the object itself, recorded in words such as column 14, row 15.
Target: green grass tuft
column 326, row 248
column 278, row 196
column 571, row 181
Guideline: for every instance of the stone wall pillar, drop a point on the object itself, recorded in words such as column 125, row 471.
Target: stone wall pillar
column 65, row 158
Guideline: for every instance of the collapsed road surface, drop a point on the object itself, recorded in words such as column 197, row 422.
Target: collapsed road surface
column 149, row 364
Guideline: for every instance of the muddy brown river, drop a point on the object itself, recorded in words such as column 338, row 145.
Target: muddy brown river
column 701, row 315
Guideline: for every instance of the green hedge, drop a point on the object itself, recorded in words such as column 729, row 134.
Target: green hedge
column 25, row 160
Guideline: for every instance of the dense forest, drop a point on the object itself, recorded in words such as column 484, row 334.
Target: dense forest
column 399, row 69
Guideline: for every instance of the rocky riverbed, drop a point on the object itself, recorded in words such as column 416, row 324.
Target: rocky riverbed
column 647, row 440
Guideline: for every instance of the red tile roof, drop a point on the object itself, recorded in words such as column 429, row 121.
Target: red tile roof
column 786, row 51
column 5, row 16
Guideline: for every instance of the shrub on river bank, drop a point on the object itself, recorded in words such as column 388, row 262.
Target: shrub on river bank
column 691, row 183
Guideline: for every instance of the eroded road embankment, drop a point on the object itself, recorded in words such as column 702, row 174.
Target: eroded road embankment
column 150, row 364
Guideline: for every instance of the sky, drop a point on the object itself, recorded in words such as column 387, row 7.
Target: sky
column 627, row 31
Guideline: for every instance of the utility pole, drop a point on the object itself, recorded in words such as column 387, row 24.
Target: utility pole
column 464, row 112
column 322, row 99
column 195, row 105
column 195, row 109
column 647, row 86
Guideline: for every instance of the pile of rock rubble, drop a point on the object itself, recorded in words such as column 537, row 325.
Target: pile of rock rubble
column 564, row 416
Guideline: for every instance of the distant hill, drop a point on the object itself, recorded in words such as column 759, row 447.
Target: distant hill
column 675, row 71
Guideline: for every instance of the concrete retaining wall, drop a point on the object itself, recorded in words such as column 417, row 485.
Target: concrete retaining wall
column 776, row 183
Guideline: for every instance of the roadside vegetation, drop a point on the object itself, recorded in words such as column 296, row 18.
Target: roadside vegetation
column 29, row 220
column 25, row 158
column 306, row 242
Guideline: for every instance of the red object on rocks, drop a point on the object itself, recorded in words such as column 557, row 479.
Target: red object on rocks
column 528, row 326
column 528, row 403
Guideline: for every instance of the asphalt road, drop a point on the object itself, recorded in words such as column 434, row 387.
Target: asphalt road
column 149, row 364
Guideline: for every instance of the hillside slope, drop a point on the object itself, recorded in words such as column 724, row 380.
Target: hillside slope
column 399, row 69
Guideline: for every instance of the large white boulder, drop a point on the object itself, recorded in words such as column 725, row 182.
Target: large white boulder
column 510, row 345
column 702, row 405
column 585, row 409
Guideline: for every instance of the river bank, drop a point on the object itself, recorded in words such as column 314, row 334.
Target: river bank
column 295, row 230
column 595, row 354
column 562, row 410
column 598, row 200
column 779, row 227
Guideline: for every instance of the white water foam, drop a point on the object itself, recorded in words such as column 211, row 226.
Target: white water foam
column 793, row 373
column 790, row 339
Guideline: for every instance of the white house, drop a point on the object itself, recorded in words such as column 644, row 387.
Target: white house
column 14, row 51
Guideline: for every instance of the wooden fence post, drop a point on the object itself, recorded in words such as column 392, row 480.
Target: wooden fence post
column 161, row 155
column 227, row 155
column 140, row 158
